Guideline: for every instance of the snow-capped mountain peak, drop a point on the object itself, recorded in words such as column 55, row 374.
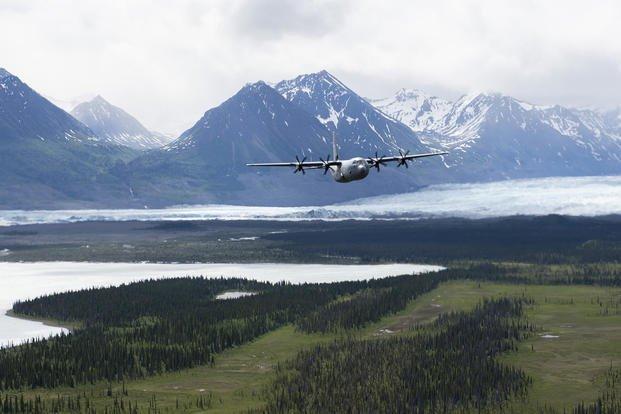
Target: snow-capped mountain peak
column 4, row 73
column 484, row 126
column 414, row 108
column 25, row 114
column 357, row 123
column 256, row 123
column 117, row 126
column 308, row 89
column 406, row 94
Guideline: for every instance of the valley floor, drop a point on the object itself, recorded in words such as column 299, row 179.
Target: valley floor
column 579, row 333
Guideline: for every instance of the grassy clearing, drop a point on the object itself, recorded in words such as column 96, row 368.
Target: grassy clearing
column 235, row 382
column 583, row 329
column 239, row 374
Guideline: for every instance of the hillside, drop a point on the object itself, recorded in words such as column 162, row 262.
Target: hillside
column 494, row 136
column 207, row 162
column 117, row 126
column 48, row 159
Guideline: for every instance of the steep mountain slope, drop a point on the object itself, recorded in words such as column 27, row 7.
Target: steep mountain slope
column 362, row 129
column 25, row 114
column 47, row 157
column 207, row 163
column 493, row 136
column 612, row 120
column 255, row 123
column 117, row 126
column 414, row 108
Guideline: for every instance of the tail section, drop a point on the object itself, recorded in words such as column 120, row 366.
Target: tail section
column 335, row 150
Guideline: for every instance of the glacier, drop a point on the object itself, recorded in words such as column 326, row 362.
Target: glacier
column 575, row 196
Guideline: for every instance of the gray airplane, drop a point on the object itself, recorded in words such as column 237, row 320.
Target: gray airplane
column 345, row 171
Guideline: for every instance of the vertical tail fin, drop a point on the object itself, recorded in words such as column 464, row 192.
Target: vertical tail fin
column 335, row 151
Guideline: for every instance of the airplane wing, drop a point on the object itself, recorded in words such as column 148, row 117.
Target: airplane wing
column 402, row 158
column 299, row 165
column 406, row 157
column 310, row 164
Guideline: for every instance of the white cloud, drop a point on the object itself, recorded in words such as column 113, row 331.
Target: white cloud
column 276, row 19
column 167, row 62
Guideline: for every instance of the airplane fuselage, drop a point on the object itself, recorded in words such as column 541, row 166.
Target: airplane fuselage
column 346, row 171
column 351, row 170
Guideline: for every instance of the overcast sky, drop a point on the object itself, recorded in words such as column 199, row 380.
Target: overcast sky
column 167, row 62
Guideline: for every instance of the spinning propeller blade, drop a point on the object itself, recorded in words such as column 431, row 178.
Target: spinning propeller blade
column 326, row 164
column 300, row 165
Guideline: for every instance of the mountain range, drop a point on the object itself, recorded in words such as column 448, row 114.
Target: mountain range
column 47, row 157
column 101, row 156
column 494, row 136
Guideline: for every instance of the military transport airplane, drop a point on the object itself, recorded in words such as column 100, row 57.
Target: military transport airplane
column 345, row 171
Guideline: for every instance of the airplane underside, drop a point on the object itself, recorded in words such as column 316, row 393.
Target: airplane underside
column 353, row 169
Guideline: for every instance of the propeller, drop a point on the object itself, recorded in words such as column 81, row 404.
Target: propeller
column 326, row 164
column 402, row 160
column 300, row 165
column 377, row 161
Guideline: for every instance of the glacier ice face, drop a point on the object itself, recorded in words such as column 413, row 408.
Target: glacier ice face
column 576, row 196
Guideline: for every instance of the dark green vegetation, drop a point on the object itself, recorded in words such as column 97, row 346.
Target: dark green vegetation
column 129, row 302
column 545, row 240
column 382, row 297
column 609, row 401
column 151, row 327
column 447, row 366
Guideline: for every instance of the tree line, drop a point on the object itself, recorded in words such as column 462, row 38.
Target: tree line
column 549, row 239
column 118, row 403
column 450, row 366
column 155, row 326
column 381, row 298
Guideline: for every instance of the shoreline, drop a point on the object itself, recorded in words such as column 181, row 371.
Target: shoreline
column 53, row 323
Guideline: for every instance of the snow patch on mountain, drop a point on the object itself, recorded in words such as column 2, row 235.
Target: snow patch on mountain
column 414, row 108
column 117, row 126
column 464, row 118
column 491, row 121
column 358, row 124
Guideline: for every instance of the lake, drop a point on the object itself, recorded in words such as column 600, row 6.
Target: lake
column 29, row 280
